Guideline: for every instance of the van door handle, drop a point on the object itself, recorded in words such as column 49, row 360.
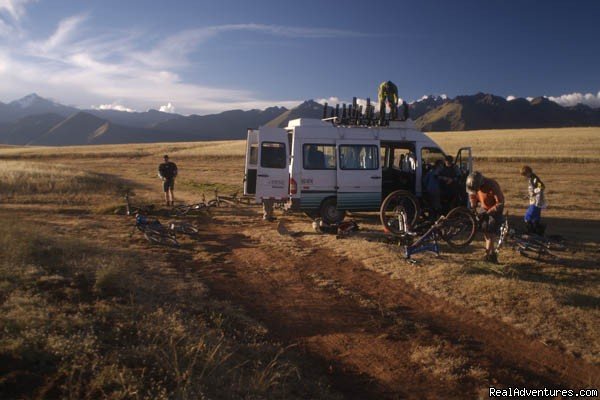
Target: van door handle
column 375, row 177
column 263, row 175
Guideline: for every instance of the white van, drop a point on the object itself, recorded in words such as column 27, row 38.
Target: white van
column 325, row 169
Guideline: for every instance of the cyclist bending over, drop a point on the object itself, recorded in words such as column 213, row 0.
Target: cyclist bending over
column 487, row 193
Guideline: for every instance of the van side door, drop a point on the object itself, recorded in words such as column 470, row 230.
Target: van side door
column 358, row 175
column 273, row 162
column 464, row 160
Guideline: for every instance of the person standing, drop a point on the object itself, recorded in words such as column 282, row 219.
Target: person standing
column 167, row 171
column 537, row 201
column 487, row 193
column 433, row 188
column 388, row 94
column 449, row 177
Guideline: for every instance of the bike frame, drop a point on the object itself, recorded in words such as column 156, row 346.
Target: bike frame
column 429, row 241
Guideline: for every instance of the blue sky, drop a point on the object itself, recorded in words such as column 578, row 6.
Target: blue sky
column 208, row 56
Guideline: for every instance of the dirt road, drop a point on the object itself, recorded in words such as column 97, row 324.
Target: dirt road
column 375, row 336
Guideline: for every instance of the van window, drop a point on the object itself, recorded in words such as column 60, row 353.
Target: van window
column 253, row 154
column 429, row 155
column 318, row 156
column 359, row 156
column 273, row 155
column 404, row 160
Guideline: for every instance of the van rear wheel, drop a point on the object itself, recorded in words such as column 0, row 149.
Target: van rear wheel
column 330, row 213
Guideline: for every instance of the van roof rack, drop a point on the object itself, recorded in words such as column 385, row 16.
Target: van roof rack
column 357, row 115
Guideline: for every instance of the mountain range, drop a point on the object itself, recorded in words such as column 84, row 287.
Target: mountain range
column 34, row 120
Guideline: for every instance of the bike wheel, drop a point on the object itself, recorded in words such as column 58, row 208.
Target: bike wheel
column 227, row 202
column 459, row 227
column 160, row 238
column 186, row 229
column 180, row 210
column 534, row 251
column 392, row 207
column 556, row 245
column 213, row 203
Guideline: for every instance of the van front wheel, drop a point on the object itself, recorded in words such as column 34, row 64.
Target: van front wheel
column 330, row 213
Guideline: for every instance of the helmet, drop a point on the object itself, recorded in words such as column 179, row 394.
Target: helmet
column 526, row 170
column 474, row 181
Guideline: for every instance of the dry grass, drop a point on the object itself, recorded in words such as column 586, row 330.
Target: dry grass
column 130, row 151
column 84, row 322
column 37, row 178
column 525, row 144
column 47, row 183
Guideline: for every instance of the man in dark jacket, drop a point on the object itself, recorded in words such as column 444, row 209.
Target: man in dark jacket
column 167, row 171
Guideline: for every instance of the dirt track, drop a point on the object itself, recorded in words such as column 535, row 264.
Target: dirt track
column 366, row 328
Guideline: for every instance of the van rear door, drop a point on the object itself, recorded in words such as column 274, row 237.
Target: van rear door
column 272, row 166
column 358, row 175
column 251, row 162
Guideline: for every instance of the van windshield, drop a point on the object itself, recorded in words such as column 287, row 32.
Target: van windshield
column 273, row 155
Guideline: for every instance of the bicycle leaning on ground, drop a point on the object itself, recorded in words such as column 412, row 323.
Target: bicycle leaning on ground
column 217, row 201
column 154, row 231
column 457, row 228
column 530, row 245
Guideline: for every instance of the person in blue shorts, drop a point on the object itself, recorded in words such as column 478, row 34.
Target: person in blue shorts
column 537, row 201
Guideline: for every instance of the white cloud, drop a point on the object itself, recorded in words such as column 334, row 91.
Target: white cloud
column 573, row 99
column 173, row 50
column 330, row 101
column 80, row 66
column 529, row 98
column 510, row 98
column 167, row 108
column 113, row 106
column 15, row 9
column 63, row 34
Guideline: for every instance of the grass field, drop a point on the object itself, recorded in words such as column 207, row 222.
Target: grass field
column 89, row 311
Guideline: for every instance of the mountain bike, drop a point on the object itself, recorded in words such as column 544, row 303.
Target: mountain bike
column 183, row 227
column 185, row 209
column 230, row 200
column 155, row 232
column 530, row 245
column 217, row 201
column 457, row 228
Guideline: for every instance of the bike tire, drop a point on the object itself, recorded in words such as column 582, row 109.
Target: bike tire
column 160, row 238
column 228, row 202
column 180, row 211
column 186, row 229
column 393, row 204
column 534, row 251
column 459, row 227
